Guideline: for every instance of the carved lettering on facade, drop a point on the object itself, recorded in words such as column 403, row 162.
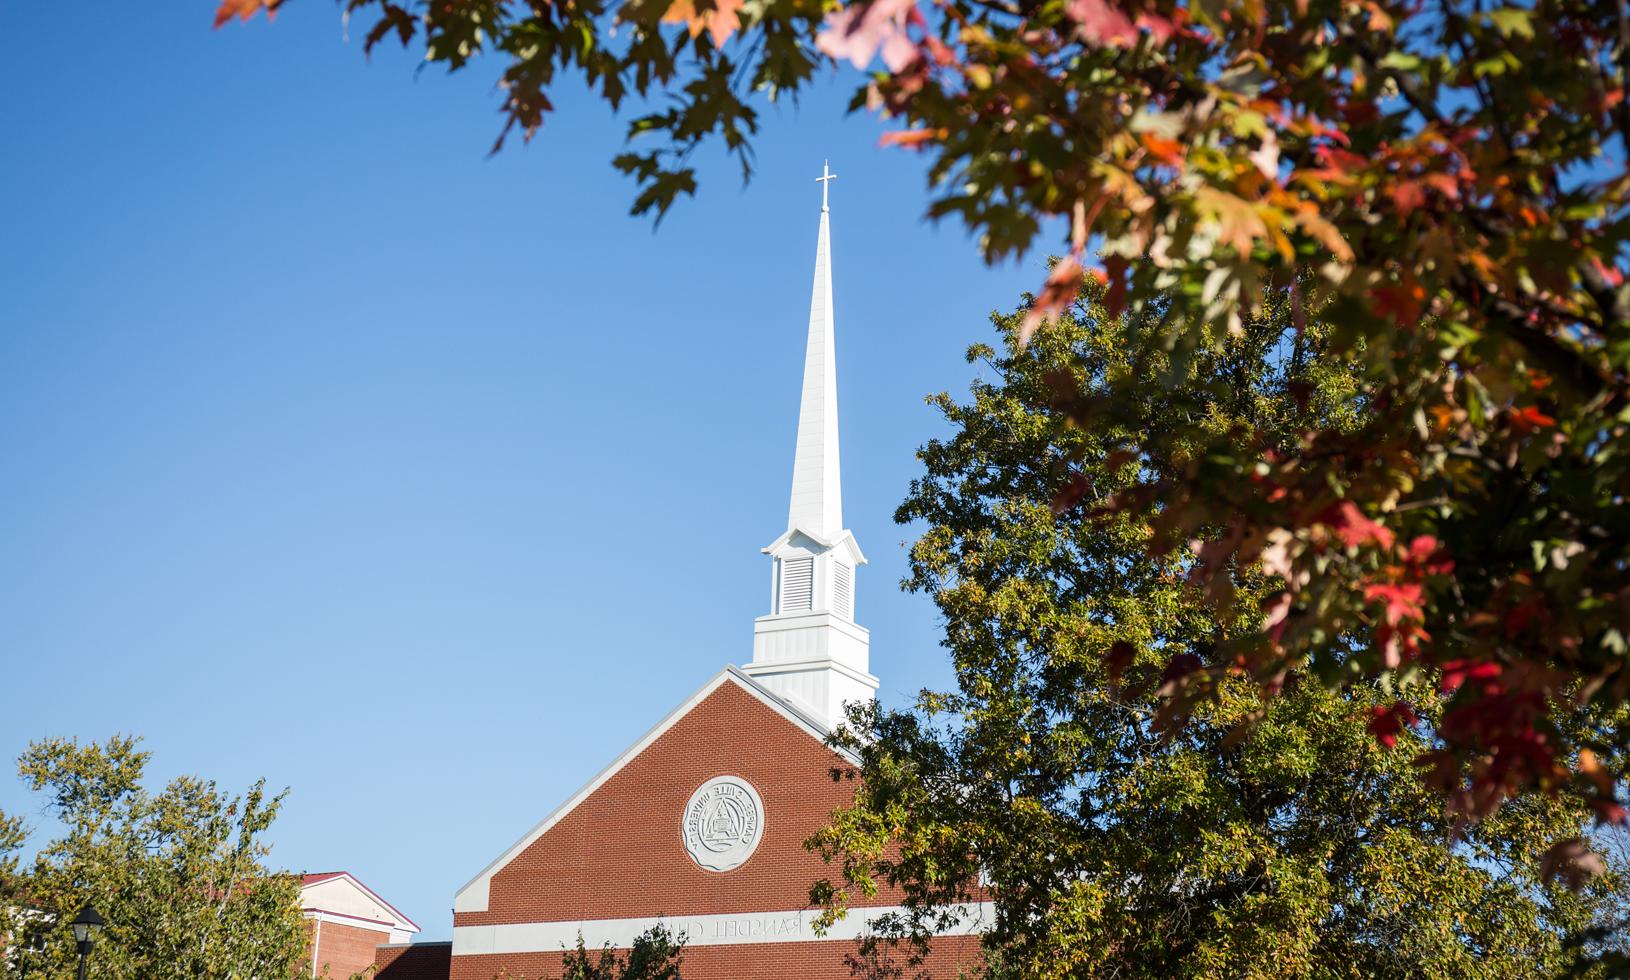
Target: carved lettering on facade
column 768, row 927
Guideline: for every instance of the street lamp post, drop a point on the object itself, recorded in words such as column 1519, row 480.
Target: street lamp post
column 87, row 928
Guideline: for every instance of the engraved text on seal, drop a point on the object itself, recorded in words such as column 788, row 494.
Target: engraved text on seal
column 723, row 823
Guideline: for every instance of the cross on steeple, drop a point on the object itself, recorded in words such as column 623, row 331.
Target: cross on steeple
column 825, row 180
column 809, row 649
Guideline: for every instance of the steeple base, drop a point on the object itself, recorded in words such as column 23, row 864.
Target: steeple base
column 820, row 688
column 809, row 650
column 815, row 660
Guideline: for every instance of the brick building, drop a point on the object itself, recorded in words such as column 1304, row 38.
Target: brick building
column 701, row 824
column 346, row 922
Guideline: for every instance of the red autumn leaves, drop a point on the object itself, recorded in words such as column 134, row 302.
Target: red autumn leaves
column 244, row 9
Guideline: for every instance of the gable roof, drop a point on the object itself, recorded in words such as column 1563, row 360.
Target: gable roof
column 312, row 880
column 845, row 538
column 473, row 897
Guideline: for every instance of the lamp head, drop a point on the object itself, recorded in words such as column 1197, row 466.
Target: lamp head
column 88, row 925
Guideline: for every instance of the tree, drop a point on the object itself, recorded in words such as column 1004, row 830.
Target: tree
column 179, row 875
column 1292, row 835
column 1445, row 182
column 656, row 955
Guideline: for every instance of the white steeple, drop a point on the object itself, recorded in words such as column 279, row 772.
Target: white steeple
column 817, row 492
column 809, row 649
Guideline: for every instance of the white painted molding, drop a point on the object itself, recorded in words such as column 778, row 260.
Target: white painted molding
column 844, row 537
column 340, row 918
column 804, row 619
column 803, row 666
column 729, row 929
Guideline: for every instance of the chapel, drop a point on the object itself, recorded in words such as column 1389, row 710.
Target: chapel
column 700, row 825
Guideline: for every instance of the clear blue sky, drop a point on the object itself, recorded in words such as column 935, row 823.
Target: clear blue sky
column 419, row 482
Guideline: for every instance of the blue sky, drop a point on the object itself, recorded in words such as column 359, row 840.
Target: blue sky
column 420, row 482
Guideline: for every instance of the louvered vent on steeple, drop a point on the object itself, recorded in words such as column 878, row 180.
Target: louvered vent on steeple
column 809, row 650
column 797, row 585
column 843, row 590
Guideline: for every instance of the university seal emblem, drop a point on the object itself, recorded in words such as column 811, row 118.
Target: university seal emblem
column 723, row 823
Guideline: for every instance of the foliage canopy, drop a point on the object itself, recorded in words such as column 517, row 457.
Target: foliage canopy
column 1267, row 837
column 657, row 954
column 178, row 875
column 1444, row 182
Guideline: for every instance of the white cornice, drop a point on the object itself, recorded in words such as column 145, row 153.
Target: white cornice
column 800, row 666
column 844, row 538
column 361, row 922
column 726, row 929
column 776, row 622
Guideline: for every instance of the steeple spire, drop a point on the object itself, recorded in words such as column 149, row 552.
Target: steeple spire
column 809, row 649
column 817, row 490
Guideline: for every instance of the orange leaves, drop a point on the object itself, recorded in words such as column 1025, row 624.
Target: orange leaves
column 1235, row 221
column 1592, row 769
column 1409, row 227
column 1409, row 194
column 1528, row 419
column 1339, row 163
column 1402, row 302
column 720, row 18
column 244, row 9
column 1307, row 217
column 1602, row 780
column 1056, row 294
column 1165, row 150
column 1240, row 223
column 911, row 138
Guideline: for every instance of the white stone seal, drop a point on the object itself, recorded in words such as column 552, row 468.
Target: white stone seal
column 722, row 823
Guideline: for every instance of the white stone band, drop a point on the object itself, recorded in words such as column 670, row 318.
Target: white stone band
column 734, row 929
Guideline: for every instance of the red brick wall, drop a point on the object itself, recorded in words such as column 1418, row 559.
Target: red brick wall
column 619, row 854
column 344, row 949
column 420, row 961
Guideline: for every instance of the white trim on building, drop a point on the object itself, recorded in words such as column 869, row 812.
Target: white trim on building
column 729, row 929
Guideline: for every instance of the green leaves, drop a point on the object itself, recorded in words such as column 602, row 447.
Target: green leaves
column 1136, row 795
column 1439, row 192
column 662, row 186
column 641, row 47
column 1512, row 21
column 179, row 875
column 656, row 955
